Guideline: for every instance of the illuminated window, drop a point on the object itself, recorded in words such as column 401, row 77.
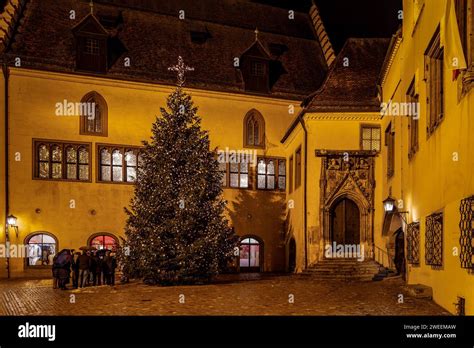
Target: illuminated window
column 61, row 161
column 119, row 164
column 41, row 249
column 271, row 174
column 223, row 169
column 239, row 175
column 103, row 241
column 370, row 137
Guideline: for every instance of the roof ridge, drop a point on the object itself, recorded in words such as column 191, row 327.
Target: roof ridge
column 207, row 20
column 347, row 80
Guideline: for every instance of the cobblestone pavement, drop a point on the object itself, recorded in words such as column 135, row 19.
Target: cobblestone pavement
column 268, row 295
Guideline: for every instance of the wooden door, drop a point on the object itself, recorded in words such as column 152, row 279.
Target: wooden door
column 345, row 222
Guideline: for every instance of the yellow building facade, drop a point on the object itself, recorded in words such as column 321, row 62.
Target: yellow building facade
column 326, row 157
column 431, row 162
column 57, row 184
column 87, row 208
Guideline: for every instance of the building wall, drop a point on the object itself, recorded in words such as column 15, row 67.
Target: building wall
column 132, row 108
column 439, row 175
column 295, row 197
column 3, row 271
column 338, row 133
column 341, row 135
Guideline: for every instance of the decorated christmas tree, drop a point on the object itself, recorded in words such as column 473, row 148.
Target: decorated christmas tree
column 176, row 231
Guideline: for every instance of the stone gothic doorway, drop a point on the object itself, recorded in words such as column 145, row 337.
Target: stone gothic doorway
column 347, row 185
column 345, row 222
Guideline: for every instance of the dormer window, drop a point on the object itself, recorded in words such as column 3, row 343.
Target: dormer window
column 91, row 45
column 255, row 68
column 255, row 74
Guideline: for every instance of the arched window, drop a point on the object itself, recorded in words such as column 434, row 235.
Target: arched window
column 250, row 253
column 93, row 115
column 103, row 241
column 42, row 247
column 254, row 129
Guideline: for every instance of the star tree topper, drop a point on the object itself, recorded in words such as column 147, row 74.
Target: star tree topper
column 181, row 69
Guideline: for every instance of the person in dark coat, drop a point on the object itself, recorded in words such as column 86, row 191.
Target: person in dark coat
column 97, row 268
column 63, row 266
column 75, row 270
column 104, row 268
column 84, row 266
column 110, row 266
column 55, row 270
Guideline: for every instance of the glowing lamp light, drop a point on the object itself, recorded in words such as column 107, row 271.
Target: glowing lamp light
column 389, row 204
column 11, row 220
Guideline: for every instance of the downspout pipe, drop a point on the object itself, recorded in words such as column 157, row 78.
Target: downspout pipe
column 305, row 223
column 6, row 77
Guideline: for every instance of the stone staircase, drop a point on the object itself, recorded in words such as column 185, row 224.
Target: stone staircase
column 344, row 269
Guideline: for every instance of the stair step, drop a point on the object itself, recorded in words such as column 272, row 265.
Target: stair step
column 346, row 269
column 375, row 269
column 341, row 272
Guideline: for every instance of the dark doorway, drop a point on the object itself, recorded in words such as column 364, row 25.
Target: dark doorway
column 345, row 222
column 292, row 255
column 400, row 252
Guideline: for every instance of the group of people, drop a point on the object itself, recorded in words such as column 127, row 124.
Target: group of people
column 91, row 267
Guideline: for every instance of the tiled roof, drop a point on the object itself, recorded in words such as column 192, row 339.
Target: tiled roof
column 236, row 13
column 352, row 87
column 153, row 39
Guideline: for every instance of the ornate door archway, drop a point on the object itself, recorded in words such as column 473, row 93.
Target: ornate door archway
column 347, row 176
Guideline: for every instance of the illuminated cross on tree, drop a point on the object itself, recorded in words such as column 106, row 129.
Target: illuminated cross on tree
column 181, row 68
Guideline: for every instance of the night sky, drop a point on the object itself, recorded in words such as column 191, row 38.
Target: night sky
column 350, row 18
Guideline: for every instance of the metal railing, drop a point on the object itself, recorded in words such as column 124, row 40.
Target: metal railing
column 382, row 257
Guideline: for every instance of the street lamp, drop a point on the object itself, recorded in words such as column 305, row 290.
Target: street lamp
column 11, row 222
column 389, row 204
column 390, row 208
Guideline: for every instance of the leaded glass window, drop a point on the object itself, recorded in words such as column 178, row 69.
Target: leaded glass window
column 119, row 164
column 61, row 160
